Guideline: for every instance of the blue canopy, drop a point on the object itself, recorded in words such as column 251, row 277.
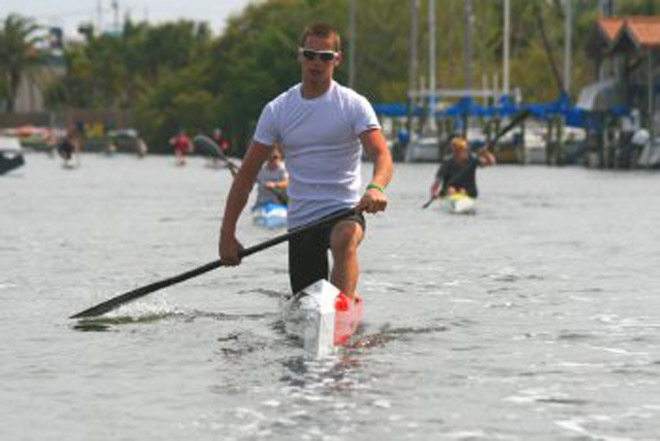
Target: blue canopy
column 395, row 109
column 504, row 107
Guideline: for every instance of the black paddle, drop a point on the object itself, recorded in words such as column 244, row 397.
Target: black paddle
column 208, row 143
column 116, row 302
column 506, row 129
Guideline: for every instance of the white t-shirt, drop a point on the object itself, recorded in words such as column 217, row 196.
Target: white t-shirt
column 321, row 145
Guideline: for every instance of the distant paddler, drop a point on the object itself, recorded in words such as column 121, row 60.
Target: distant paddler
column 322, row 127
column 272, row 180
column 457, row 173
column 270, row 208
column 67, row 147
column 182, row 147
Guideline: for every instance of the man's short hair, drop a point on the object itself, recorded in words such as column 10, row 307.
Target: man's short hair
column 321, row 31
column 459, row 142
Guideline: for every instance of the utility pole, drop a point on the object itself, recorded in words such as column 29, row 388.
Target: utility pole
column 412, row 73
column 606, row 7
column 507, row 42
column 568, row 45
column 115, row 6
column 352, row 35
column 432, row 64
column 412, row 66
column 99, row 17
column 467, row 44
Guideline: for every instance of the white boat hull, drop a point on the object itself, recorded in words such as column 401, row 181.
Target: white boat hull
column 321, row 318
column 461, row 204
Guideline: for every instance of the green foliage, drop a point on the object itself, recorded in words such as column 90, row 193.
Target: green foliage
column 178, row 101
column 639, row 7
column 17, row 54
column 178, row 75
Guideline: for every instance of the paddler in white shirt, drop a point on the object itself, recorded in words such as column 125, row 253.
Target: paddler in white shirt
column 322, row 127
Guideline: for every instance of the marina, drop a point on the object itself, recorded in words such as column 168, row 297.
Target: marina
column 253, row 220
column 533, row 319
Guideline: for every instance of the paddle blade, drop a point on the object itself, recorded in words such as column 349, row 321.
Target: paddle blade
column 428, row 203
column 206, row 143
column 116, row 302
column 506, row 129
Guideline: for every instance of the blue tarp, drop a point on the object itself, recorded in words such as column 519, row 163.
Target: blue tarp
column 395, row 109
column 504, row 107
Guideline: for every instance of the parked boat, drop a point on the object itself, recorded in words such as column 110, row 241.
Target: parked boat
column 11, row 154
column 423, row 149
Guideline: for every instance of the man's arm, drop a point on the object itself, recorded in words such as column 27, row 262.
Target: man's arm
column 486, row 158
column 438, row 186
column 229, row 247
column 374, row 143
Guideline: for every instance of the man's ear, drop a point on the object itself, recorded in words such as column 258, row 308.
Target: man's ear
column 339, row 59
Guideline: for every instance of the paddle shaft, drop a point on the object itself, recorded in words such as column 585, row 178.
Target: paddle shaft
column 506, row 129
column 115, row 302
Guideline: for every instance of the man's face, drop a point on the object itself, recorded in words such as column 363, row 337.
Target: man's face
column 460, row 153
column 317, row 70
column 275, row 157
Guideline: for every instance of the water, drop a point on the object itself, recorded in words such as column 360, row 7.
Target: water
column 537, row 318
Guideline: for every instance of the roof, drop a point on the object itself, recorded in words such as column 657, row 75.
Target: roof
column 610, row 27
column 645, row 31
column 642, row 31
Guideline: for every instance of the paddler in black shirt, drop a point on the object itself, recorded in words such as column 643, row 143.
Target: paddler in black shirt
column 458, row 172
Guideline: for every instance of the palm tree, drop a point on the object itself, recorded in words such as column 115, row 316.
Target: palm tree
column 17, row 53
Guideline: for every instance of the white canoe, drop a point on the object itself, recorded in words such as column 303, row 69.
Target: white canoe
column 322, row 318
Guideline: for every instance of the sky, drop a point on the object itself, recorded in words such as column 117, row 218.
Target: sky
column 68, row 14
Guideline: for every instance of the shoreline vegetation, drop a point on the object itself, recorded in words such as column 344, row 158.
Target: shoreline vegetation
column 179, row 75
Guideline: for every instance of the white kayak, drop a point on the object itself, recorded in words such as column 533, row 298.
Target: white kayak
column 460, row 203
column 269, row 215
column 322, row 318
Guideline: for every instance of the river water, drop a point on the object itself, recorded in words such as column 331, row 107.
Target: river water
column 538, row 318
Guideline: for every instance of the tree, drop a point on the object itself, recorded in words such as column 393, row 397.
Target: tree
column 17, row 54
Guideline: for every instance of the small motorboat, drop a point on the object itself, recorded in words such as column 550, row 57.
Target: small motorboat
column 11, row 154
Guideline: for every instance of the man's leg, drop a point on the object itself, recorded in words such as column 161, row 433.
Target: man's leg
column 344, row 241
column 308, row 259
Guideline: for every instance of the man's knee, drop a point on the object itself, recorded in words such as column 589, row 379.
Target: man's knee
column 346, row 236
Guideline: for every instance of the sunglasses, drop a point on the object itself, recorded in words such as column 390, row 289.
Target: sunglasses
column 309, row 54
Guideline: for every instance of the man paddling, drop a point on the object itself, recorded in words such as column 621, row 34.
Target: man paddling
column 272, row 180
column 458, row 172
column 321, row 125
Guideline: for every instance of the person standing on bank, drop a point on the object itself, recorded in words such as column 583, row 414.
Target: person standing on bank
column 321, row 126
column 458, row 172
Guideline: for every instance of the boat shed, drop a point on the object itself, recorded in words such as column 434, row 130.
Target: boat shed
column 627, row 49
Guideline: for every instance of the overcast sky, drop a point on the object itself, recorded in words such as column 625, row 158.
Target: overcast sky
column 68, row 14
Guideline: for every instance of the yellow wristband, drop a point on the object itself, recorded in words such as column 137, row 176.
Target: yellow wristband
column 376, row 187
